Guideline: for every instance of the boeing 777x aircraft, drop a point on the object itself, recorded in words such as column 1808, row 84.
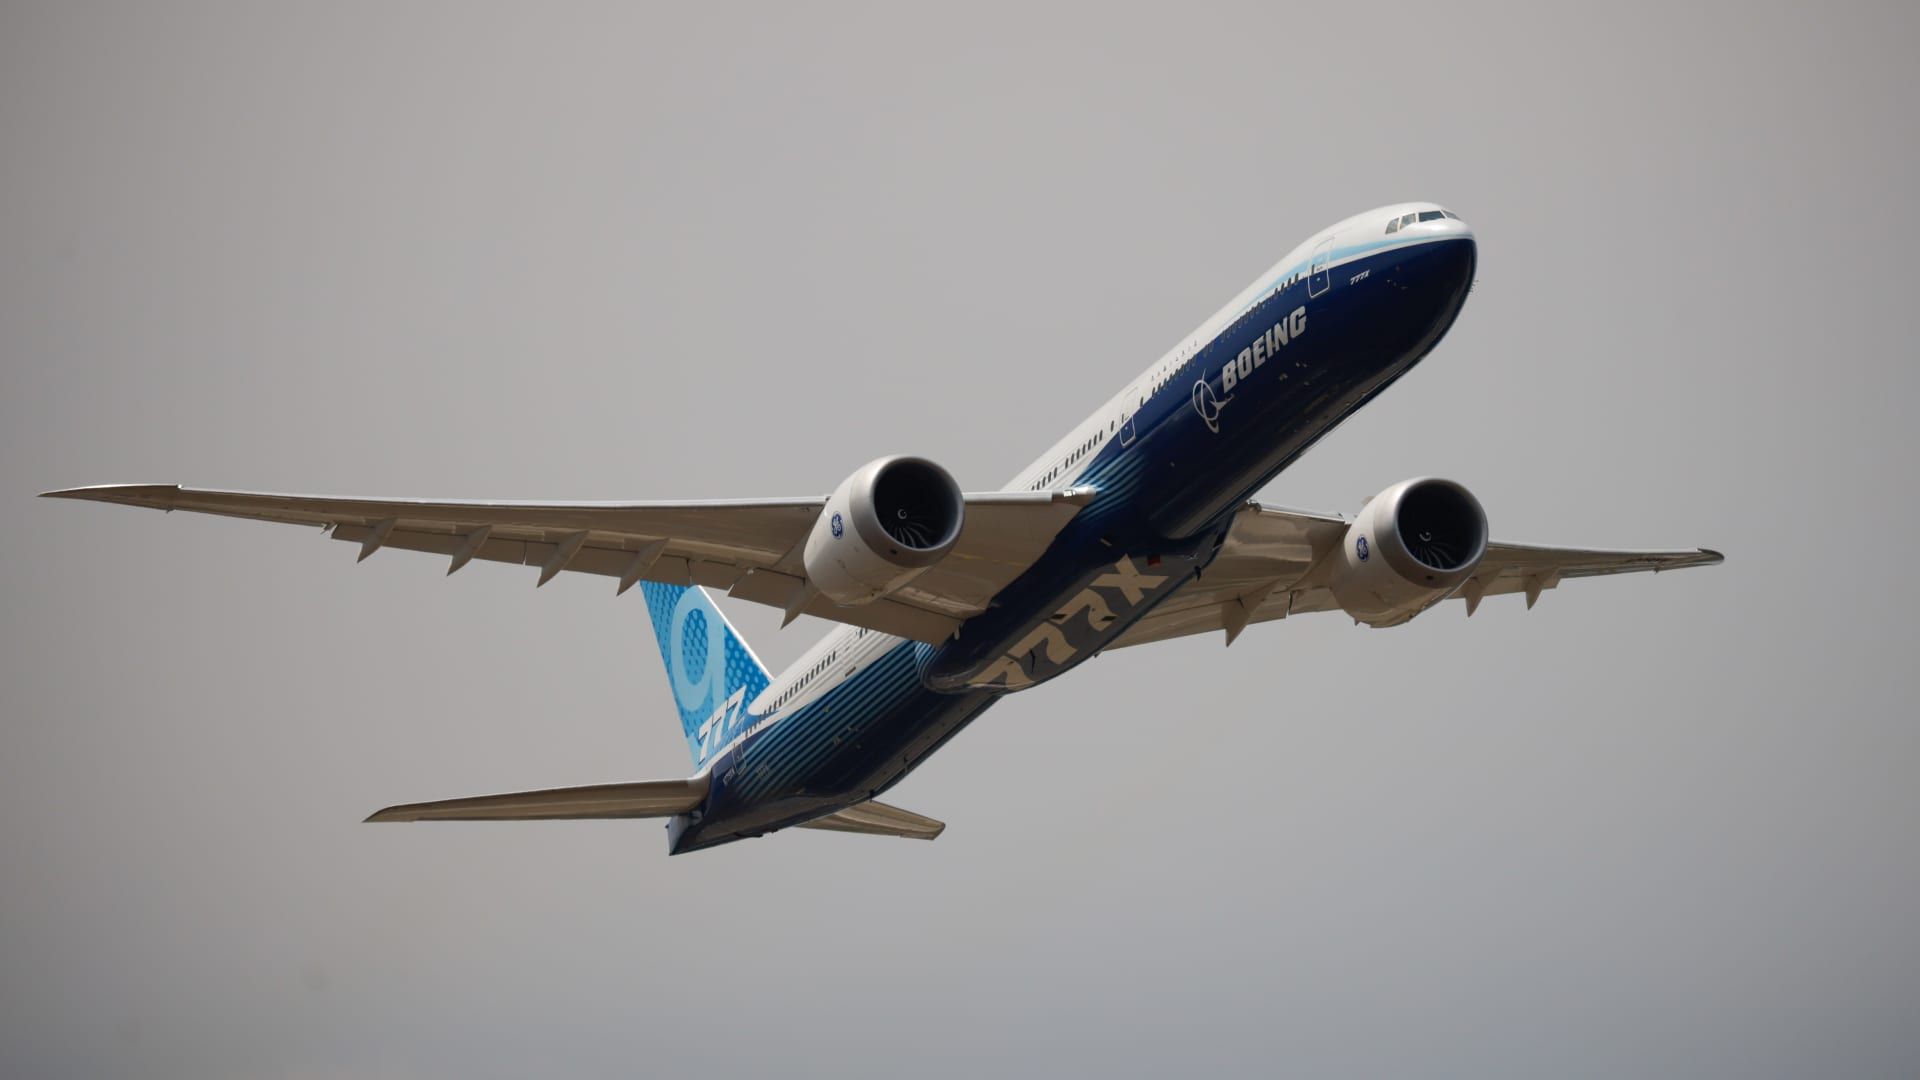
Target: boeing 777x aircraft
column 1135, row 527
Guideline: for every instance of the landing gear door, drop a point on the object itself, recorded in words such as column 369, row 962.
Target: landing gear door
column 1319, row 278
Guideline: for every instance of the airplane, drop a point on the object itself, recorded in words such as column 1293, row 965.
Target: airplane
column 1137, row 526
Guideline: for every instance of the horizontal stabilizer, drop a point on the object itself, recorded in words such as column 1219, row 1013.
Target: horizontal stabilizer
column 879, row 819
column 647, row 799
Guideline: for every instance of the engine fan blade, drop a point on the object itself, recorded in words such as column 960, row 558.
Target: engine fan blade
column 913, row 530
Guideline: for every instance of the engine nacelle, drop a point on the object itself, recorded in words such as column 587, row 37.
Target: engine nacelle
column 1411, row 545
column 883, row 526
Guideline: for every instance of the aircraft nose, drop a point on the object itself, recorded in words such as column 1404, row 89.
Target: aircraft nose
column 1427, row 286
column 1450, row 261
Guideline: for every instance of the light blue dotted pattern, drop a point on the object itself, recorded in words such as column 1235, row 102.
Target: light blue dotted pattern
column 693, row 646
column 690, row 630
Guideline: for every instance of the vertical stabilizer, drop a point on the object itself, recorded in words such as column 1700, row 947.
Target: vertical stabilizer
column 713, row 673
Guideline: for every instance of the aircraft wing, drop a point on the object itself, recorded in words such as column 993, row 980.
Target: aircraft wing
column 750, row 548
column 1274, row 563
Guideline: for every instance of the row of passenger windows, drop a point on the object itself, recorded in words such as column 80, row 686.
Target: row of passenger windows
column 1405, row 220
column 817, row 669
column 1079, row 452
column 1171, row 374
column 1161, row 380
column 1153, row 387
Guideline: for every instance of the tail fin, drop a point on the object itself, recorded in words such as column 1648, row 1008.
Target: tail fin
column 713, row 673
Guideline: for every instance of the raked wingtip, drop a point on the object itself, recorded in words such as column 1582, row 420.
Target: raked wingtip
column 133, row 494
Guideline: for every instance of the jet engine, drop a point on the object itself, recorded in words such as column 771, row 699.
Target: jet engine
column 883, row 526
column 1411, row 546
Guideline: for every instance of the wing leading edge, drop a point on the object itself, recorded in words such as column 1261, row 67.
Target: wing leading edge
column 750, row 548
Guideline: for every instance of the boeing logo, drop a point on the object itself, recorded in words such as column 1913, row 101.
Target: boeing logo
column 1266, row 345
column 1208, row 405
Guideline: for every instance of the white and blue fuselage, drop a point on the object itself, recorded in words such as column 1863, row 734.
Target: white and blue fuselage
column 1169, row 458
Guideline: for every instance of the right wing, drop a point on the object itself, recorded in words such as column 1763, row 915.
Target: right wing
column 879, row 819
column 1274, row 563
column 750, row 548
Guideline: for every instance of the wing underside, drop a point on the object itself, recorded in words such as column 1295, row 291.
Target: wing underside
column 749, row 548
column 1274, row 564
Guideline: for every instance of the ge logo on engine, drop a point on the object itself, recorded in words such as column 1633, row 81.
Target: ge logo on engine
column 838, row 526
column 1360, row 548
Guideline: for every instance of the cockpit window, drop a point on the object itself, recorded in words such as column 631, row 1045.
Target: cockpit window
column 1405, row 220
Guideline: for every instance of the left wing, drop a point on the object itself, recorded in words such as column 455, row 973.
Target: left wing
column 750, row 548
column 1274, row 563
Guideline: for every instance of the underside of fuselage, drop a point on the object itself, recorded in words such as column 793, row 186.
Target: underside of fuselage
column 845, row 747
column 1229, row 420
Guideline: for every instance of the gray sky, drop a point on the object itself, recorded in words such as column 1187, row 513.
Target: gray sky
column 1653, row 827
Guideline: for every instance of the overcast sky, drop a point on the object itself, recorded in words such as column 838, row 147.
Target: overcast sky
column 1654, row 827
